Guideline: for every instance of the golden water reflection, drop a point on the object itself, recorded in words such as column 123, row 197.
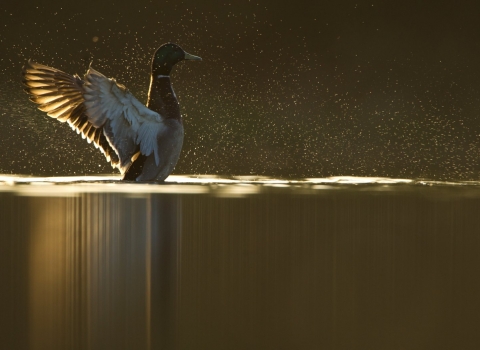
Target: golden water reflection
column 92, row 265
column 239, row 266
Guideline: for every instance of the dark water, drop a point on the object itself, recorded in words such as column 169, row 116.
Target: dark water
column 344, row 263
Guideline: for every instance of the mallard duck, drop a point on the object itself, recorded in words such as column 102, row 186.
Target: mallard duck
column 143, row 142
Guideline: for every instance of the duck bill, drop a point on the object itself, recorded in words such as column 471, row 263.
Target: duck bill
column 192, row 57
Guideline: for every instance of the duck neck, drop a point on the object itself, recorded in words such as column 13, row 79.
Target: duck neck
column 163, row 68
column 162, row 98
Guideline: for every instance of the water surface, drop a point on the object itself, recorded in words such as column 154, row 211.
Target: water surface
column 239, row 263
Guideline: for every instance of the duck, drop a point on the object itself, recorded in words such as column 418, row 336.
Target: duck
column 143, row 142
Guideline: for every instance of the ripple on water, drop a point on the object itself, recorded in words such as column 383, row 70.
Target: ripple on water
column 235, row 186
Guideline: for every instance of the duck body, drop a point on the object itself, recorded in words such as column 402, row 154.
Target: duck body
column 145, row 168
column 162, row 99
column 143, row 142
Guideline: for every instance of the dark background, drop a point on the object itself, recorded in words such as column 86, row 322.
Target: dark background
column 293, row 89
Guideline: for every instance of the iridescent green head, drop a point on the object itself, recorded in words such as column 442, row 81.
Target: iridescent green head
column 167, row 56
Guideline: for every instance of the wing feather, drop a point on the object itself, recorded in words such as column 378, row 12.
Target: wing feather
column 60, row 95
column 127, row 122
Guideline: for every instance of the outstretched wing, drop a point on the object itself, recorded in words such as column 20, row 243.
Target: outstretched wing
column 103, row 111
column 126, row 122
column 61, row 96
